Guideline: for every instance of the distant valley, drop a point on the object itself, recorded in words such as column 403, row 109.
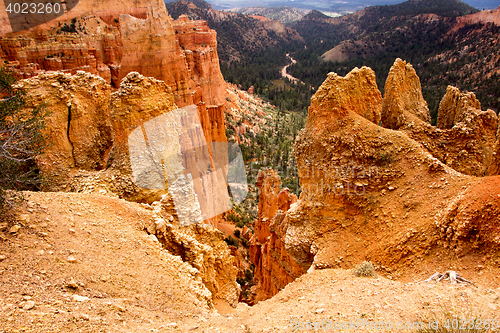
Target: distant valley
column 448, row 37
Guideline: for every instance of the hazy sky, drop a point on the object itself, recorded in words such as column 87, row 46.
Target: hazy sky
column 331, row 5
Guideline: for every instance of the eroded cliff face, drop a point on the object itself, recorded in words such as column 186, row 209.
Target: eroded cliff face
column 138, row 100
column 89, row 130
column 274, row 268
column 87, row 133
column 78, row 126
column 200, row 245
column 112, row 43
column 372, row 193
column 182, row 53
column 108, row 10
column 485, row 16
column 95, row 47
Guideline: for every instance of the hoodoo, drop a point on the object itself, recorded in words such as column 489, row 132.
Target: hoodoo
column 372, row 193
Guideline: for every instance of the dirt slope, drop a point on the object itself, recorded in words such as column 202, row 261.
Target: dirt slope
column 336, row 295
column 88, row 266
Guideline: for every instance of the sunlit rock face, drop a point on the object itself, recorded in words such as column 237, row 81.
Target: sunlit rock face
column 78, row 126
column 465, row 136
column 182, row 53
column 274, row 269
column 135, row 143
column 399, row 196
column 114, row 38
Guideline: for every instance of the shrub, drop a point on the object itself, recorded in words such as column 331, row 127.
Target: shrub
column 237, row 233
column 231, row 241
column 364, row 269
column 21, row 140
column 232, row 217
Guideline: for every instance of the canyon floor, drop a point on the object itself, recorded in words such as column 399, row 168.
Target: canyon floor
column 83, row 263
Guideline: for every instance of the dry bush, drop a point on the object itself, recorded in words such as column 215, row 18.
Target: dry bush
column 365, row 269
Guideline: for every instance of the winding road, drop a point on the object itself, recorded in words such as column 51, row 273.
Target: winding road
column 288, row 76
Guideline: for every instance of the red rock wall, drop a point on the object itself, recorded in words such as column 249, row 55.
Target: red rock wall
column 372, row 193
column 28, row 57
column 274, row 267
column 182, row 53
column 108, row 10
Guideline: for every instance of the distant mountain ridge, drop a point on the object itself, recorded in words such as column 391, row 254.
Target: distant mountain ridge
column 461, row 51
column 239, row 36
column 425, row 32
column 319, row 26
column 284, row 14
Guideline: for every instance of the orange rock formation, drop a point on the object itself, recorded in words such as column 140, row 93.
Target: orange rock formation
column 112, row 43
column 274, row 268
column 182, row 53
column 200, row 245
column 78, row 127
column 465, row 136
column 89, row 129
column 372, row 193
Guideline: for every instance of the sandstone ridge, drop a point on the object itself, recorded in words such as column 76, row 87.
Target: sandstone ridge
column 273, row 267
column 465, row 136
column 388, row 195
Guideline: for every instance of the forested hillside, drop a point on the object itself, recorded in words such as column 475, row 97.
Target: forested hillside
column 428, row 33
column 466, row 57
column 322, row 32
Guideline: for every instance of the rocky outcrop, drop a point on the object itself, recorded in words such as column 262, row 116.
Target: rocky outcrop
column 465, row 136
column 455, row 106
column 138, row 100
column 89, row 129
column 78, row 126
column 339, row 96
column 371, row 193
column 274, row 268
column 181, row 53
column 95, row 48
column 200, row 245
